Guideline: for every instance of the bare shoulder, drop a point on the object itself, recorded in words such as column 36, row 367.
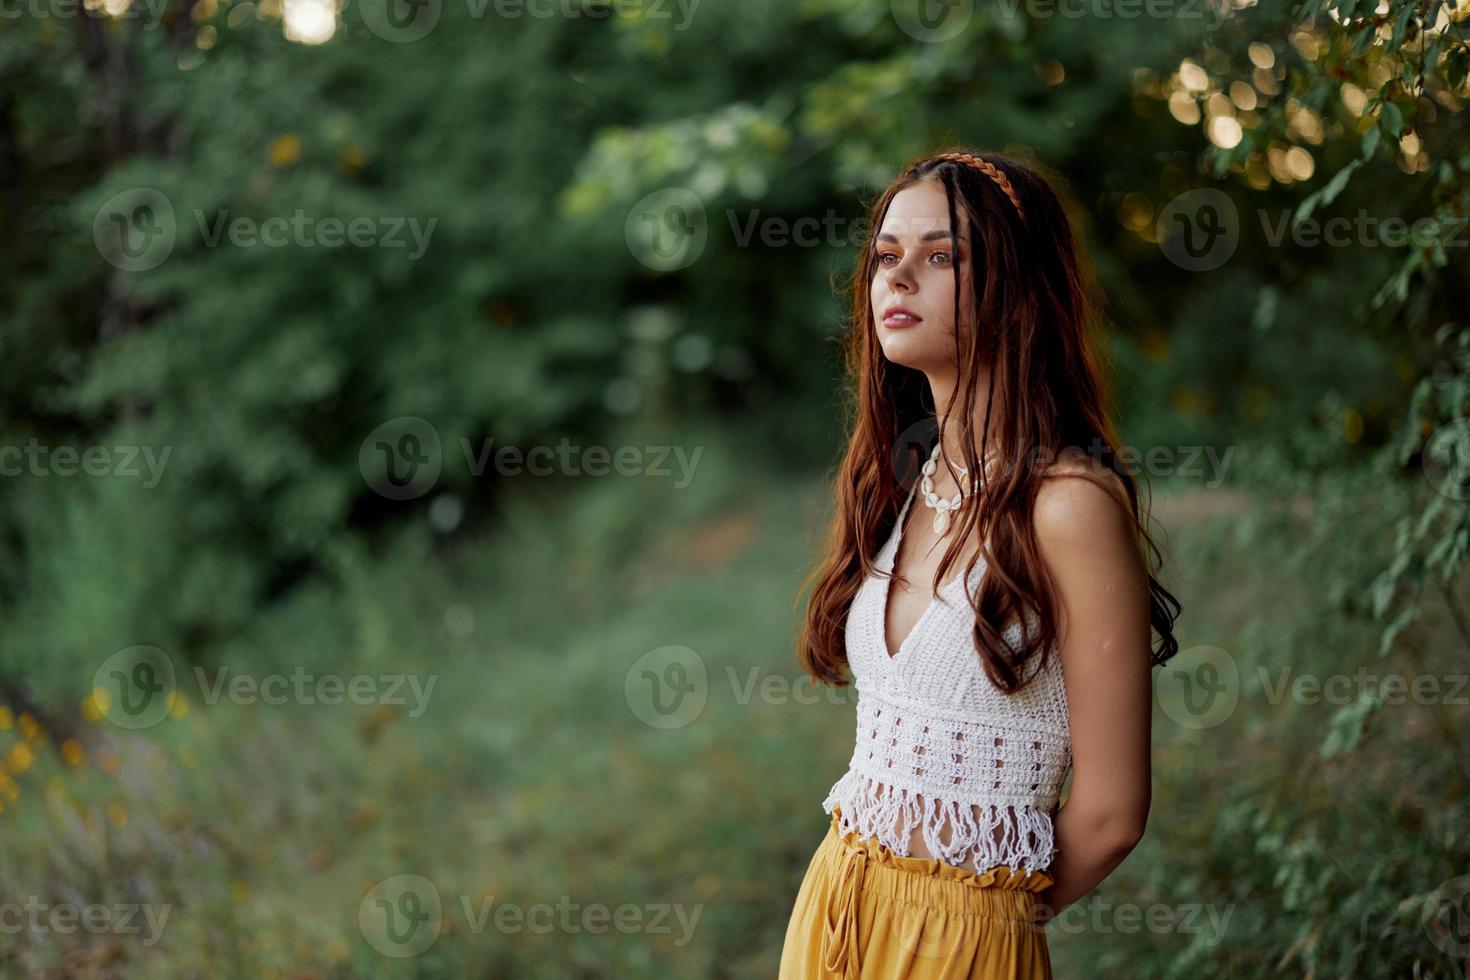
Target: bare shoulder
column 1080, row 500
column 1087, row 537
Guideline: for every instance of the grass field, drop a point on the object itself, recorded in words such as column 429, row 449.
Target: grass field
column 565, row 822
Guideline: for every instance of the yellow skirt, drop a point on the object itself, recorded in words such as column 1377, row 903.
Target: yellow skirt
column 866, row 913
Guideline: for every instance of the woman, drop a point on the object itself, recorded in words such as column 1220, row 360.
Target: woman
column 946, row 852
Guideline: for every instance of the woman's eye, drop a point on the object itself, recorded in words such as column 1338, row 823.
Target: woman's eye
column 883, row 257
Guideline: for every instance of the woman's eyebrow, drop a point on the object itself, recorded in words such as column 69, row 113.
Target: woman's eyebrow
column 928, row 236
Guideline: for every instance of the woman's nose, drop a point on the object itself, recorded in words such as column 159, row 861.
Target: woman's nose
column 899, row 276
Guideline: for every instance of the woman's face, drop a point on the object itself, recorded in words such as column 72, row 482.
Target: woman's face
column 915, row 273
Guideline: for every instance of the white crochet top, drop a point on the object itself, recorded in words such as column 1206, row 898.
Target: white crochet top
column 939, row 746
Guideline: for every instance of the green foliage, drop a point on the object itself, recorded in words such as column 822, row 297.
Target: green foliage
column 521, row 148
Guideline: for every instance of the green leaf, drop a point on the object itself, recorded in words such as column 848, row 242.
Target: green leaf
column 1391, row 632
column 1456, row 66
column 1371, row 139
column 1400, row 26
column 1326, row 194
column 1392, row 120
column 1431, row 54
column 1364, row 38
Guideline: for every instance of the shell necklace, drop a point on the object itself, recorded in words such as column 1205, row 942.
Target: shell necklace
column 944, row 508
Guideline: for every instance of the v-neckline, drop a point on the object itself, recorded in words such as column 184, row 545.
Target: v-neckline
column 892, row 562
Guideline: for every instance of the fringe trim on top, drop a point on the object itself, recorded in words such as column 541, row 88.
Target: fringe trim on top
column 889, row 814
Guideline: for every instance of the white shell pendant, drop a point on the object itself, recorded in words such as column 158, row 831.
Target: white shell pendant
column 932, row 500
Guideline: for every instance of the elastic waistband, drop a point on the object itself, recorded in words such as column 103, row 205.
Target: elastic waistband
column 1000, row 892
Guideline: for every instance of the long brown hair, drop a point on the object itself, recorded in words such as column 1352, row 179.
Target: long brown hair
column 1035, row 310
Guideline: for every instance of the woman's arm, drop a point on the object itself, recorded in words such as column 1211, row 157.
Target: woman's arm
column 1087, row 541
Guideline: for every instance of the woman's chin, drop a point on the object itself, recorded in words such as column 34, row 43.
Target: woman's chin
column 903, row 348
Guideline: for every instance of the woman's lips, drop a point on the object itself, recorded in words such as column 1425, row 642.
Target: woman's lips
column 897, row 321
